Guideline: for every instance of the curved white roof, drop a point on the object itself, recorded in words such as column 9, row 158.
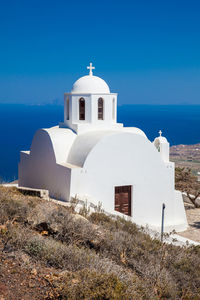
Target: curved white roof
column 64, row 146
column 90, row 84
column 54, row 140
column 84, row 143
column 135, row 130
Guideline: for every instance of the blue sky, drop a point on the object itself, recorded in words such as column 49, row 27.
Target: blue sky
column 147, row 51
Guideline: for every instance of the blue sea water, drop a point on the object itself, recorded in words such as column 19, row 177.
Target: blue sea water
column 18, row 123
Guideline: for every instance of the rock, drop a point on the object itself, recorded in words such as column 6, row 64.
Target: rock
column 34, row 272
column 45, row 232
column 54, row 227
column 75, row 281
column 31, row 284
column 79, row 217
column 3, row 229
column 25, row 258
column 65, row 272
column 11, row 255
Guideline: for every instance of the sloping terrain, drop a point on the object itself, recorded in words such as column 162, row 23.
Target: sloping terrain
column 187, row 156
column 50, row 252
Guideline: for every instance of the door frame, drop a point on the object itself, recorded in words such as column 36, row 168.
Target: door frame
column 129, row 201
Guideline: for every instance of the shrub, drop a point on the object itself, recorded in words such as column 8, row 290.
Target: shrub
column 14, row 206
column 186, row 182
column 85, row 209
column 100, row 218
column 46, row 249
column 89, row 284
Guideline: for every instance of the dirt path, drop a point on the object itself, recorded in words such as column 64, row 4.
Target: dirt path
column 193, row 217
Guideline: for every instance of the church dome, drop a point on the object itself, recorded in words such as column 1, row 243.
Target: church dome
column 90, row 85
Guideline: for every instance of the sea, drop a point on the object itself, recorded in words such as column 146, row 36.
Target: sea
column 18, row 123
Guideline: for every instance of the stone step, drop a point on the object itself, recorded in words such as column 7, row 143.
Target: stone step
column 34, row 192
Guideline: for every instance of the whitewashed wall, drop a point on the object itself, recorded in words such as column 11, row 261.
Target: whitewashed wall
column 90, row 165
column 130, row 159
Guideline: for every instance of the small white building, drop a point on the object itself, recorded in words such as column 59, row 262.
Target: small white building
column 93, row 157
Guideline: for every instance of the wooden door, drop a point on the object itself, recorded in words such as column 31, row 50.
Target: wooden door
column 123, row 199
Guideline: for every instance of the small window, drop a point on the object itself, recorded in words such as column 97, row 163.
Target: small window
column 113, row 109
column 67, row 107
column 81, row 109
column 100, row 109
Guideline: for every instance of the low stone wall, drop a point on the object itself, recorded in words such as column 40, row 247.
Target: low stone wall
column 34, row 192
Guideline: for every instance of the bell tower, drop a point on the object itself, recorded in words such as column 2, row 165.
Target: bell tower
column 90, row 105
column 162, row 146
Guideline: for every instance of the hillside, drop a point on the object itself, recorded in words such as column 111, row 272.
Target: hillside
column 50, row 252
column 187, row 156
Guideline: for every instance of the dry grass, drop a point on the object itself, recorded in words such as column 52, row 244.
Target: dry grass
column 97, row 257
column 90, row 284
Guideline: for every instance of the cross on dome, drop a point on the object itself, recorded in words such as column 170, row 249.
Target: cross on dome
column 90, row 68
column 160, row 132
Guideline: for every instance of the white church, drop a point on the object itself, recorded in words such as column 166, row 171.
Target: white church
column 90, row 156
